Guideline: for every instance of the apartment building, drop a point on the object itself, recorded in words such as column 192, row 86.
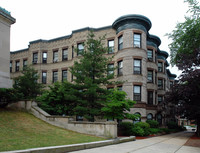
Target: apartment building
column 6, row 20
column 142, row 66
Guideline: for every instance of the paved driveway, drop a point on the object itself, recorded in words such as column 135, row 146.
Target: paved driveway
column 171, row 143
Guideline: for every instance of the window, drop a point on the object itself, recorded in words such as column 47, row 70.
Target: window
column 55, row 56
column 110, row 46
column 35, row 58
column 150, row 55
column 120, row 42
column 80, row 49
column 72, row 51
column 119, row 88
column 155, row 77
column 137, row 40
column 55, row 76
column 10, row 66
column 65, row 54
column 16, row 66
column 160, row 84
column 64, row 75
column 25, row 63
column 44, row 57
column 150, row 76
column 160, row 99
column 137, row 93
column 160, row 67
column 110, row 69
column 149, row 116
column 120, row 67
column 137, row 66
column 159, row 119
column 137, row 119
column 150, row 97
column 44, row 77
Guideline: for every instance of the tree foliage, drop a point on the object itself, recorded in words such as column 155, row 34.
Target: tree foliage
column 117, row 105
column 185, row 46
column 185, row 53
column 27, row 84
column 90, row 74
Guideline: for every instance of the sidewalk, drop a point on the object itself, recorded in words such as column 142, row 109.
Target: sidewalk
column 171, row 143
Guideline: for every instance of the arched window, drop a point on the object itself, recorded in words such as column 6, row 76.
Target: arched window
column 149, row 116
column 137, row 119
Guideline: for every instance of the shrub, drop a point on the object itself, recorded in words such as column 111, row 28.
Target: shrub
column 138, row 131
column 145, row 126
column 166, row 130
column 154, row 130
column 125, row 128
column 153, row 123
column 172, row 125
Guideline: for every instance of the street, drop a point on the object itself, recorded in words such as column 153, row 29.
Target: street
column 171, row 143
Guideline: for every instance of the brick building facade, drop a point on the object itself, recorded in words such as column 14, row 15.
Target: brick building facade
column 141, row 64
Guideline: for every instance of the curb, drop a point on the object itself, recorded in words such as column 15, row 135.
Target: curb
column 74, row 147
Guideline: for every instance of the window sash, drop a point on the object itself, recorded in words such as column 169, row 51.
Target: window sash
column 44, row 57
column 150, row 55
column 110, row 69
column 55, row 76
column 137, row 66
column 120, row 42
column 137, row 93
column 150, row 97
column 137, row 40
column 120, row 68
column 110, row 46
column 35, row 57
column 17, row 66
column 44, row 77
column 160, row 83
column 64, row 75
column 55, row 56
column 80, row 49
column 150, row 76
column 160, row 67
column 65, row 54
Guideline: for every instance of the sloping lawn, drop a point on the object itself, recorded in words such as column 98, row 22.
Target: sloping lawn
column 21, row 130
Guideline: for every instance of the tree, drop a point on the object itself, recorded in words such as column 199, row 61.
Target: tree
column 90, row 74
column 117, row 105
column 185, row 53
column 27, row 84
column 60, row 99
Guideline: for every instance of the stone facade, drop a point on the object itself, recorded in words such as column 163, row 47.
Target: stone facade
column 143, row 65
column 5, row 22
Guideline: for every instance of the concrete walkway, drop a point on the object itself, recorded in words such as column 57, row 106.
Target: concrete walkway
column 171, row 143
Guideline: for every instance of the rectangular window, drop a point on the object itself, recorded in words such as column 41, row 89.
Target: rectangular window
column 110, row 69
column 35, row 58
column 55, row 76
column 137, row 40
column 44, row 57
column 150, row 76
column 120, row 42
column 17, row 66
column 65, row 54
column 110, row 46
column 44, row 77
column 150, row 55
column 64, row 75
column 160, row 84
column 10, row 66
column 72, row 52
column 160, row 67
column 25, row 63
column 137, row 93
column 137, row 66
column 160, row 99
column 150, row 97
column 55, row 56
column 80, row 49
column 155, row 77
column 120, row 67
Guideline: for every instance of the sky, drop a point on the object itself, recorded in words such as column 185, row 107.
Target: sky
column 48, row 19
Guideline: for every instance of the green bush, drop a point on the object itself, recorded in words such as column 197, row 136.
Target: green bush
column 138, row 131
column 145, row 126
column 154, row 130
column 153, row 123
column 166, row 130
column 172, row 125
column 125, row 128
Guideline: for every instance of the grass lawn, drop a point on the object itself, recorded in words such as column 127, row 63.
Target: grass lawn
column 21, row 130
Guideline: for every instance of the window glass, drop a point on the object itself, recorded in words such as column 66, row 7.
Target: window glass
column 160, row 67
column 64, row 75
column 17, row 66
column 138, row 119
column 80, row 49
column 150, row 97
column 137, row 93
column 55, row 76
column 44, row 77
column 149, row 116
column 110, row 46
column 150, row 76
column 110, row 69
column 137, row 40
column 120, row 42
column 120, row 67
column 137, row 66
column 35, row 58
column 44, row 57
column 65, row 54
column 150, row 55
column 55, row 56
